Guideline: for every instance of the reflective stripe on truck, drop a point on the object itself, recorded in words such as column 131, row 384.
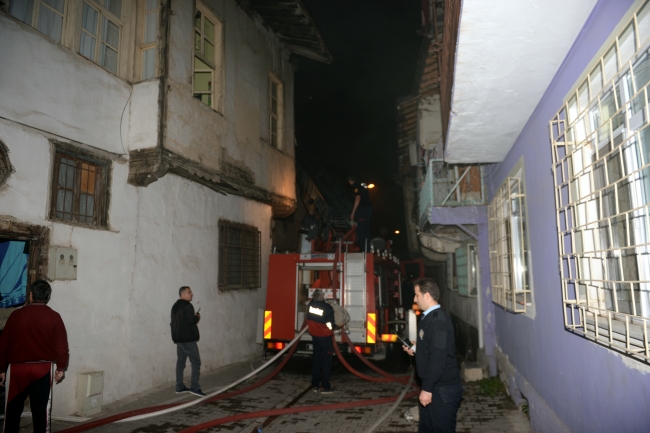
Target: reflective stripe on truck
column 267, row 324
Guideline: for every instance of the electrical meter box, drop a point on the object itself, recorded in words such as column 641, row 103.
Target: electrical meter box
column 62, row 264
column 90, row 388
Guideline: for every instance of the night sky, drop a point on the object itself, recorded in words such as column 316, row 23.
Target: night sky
column 346, row 111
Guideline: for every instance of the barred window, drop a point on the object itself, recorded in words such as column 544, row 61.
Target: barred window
column 239, row 256
column 79, row 190
column 509, row 270
column 601, row 167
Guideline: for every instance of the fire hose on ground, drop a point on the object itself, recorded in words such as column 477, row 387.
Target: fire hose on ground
column 144, row 413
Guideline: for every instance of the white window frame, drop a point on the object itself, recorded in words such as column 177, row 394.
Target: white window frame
column 143, row 44
column 510, row 260
column 600, row 140
column 212, row 66
column 103, row 12
column 35, row 16
column 276, row 136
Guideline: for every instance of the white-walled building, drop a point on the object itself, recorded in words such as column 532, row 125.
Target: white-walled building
column 155, row 139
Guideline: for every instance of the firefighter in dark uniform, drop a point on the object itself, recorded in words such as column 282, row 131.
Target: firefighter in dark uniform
column 361, row 211
column 435, row 360
column 320, row 320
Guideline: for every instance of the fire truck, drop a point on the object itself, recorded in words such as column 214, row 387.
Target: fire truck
column 367, row 285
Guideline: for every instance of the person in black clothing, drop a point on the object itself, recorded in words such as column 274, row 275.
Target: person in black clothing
column 435, row 360
column 320, row 321
column 185, row 334
column 361, row 212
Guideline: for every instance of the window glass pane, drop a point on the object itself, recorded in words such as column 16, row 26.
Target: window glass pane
column 583, row 95
column 610, row 63
column 115, row 6
column 202, row 81
column 148, row 63
column 87, row 47
column 150, row 27
column 197, row 20
column 208, row 30
column 209, row 51
column 627, row 43
column 643, row 20
column 274, row 106
column 596, row 81
column 56, row 4
column 572, row 113
column 89, row 19
column 274, row 89
column 50, row 23
column 151, row 5
column 22, row 10
column 642, row 71
column 197, row 42
column 108, row 58
column 110, row 33
column 87, row 178
column 198, row 64
column 206, row 98
column 607, row 105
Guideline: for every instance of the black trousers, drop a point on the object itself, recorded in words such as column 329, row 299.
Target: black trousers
column 322, row 364
column 440, row 415
column 35, row 381
column 362, row 217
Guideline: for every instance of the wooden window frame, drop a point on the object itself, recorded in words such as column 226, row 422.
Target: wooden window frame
column 143, row 44
column 213, row 66
column 250, row 274
column 101, row 188
column 35, row 15
column 103, row 12
column 276, row 136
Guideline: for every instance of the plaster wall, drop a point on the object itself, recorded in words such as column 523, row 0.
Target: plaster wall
column 237, row 132
column 54, row 89
column 577, row 384
column 160, row 238
column 429, row 121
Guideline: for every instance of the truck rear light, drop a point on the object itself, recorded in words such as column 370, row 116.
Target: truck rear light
column 389, row 338
column 357, row 348
column 367, row 350
column 279, row 345
column 270, row 345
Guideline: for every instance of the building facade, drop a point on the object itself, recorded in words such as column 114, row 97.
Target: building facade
column 558, row 122
column 148, row 145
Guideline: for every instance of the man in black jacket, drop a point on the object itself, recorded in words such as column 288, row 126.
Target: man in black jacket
column 435, row 360
column 320, row 321
column 185, row 334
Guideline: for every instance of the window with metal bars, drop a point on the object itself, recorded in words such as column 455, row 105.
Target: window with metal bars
column 79, row 190
column 509, row 254
column 239, row 256
column 601, row 168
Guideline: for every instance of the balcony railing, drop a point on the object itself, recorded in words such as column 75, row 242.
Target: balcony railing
column 450, row 185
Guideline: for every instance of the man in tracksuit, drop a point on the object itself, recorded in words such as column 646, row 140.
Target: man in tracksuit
column 320, row 321
column 185, row 334
column 435, row 360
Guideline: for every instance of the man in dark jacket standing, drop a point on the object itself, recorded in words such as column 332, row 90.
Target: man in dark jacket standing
column 320, row 321
column 435, row 360
column 185, row 334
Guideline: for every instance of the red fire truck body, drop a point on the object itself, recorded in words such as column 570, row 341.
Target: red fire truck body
column 367, row 285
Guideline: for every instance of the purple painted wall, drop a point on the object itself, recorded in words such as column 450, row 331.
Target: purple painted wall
column 571, row 383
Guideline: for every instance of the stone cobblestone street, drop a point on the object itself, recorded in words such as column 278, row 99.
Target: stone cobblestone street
column 478, row 413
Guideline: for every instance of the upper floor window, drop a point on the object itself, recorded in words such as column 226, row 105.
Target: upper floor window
column 149, row 38
column 207, row 57
column 101, row 27
column 601, row 167
column 276, row 111
column 47, row 16
column 509, row 252
column 239, row 256
column 79, row 189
